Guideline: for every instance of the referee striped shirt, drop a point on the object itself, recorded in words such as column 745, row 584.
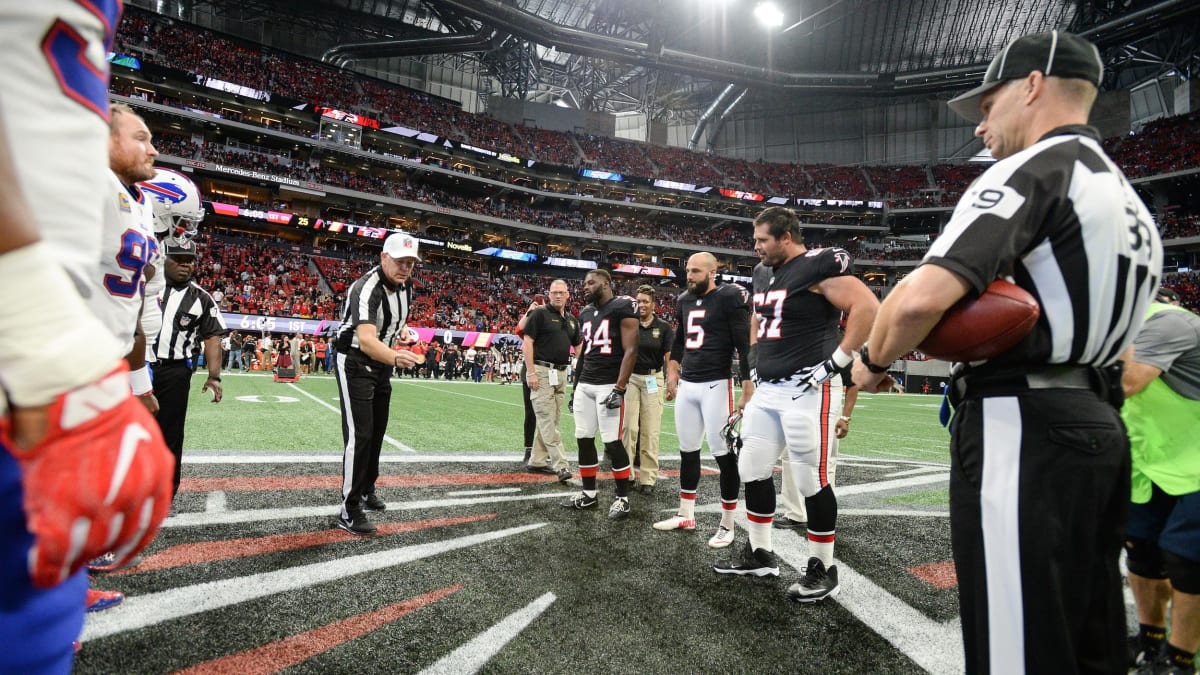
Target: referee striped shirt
column 1060, row 220
column 189, row 317
column 374, row 300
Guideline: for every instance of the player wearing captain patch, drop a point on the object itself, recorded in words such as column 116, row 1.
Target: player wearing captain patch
column 1039, row 473
column 375, row 313
column 714, row 323
column 799, row 297
column 608, row 328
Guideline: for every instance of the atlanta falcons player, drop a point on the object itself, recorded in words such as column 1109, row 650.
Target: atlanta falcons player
column 714, row 322
column 799, row 295
column 609, row 328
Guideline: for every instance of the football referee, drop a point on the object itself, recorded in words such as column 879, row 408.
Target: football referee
column 375, row 313
column 1039, row 479
column 190, row 320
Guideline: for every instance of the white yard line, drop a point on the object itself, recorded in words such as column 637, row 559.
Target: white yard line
column 141, row 611
column 215, row 502
column 391, row 441
column 472, row 656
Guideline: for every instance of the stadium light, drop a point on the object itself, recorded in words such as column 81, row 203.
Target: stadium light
column 769, row 14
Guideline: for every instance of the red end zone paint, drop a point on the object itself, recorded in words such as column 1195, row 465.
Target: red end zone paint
column 285, row 653
column 274, row 483
column 938, row 575
column 210, row 551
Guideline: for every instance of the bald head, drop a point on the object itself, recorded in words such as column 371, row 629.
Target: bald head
column 701, row 273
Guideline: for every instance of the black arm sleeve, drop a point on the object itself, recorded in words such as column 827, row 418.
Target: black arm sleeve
column 739, row 326
column 677, row 339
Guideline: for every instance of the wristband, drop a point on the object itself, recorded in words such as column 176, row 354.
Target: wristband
column 216, row 378
column 844, row 419
column 840, row 358
column 139, row 381
column 871, row 366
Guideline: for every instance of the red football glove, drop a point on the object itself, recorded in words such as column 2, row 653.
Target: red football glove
column 99, row 481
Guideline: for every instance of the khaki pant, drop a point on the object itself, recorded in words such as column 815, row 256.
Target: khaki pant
column 643, row 421
column 547, row 405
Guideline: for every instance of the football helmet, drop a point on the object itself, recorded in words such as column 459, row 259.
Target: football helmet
column 177, row 207
column 732, row 433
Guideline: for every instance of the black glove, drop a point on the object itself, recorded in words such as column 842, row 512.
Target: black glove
column 614, row 399
column 571, row 402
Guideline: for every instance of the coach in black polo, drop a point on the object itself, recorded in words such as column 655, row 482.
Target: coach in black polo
column 376, row 310
column 191, row 319
column 1039, row 473
column 549, row 334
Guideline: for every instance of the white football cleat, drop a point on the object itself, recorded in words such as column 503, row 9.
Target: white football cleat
column 676, row 523
column 722, row 538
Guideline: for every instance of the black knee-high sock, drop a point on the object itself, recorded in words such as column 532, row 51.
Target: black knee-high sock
column 730, row 481
column 822, row 510
column 760, row 496
column 620, row 464
column 689, row 472
column 588, row 463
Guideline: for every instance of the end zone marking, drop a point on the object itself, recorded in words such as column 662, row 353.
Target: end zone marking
column 472, row 656
column 938, row 574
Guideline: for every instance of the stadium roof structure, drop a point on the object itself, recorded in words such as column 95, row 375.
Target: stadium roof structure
column 677, row 58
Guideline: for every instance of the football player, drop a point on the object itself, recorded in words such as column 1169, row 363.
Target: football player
column 714, row 323
column 609, row 330
column 799, row 295
column 82, row 465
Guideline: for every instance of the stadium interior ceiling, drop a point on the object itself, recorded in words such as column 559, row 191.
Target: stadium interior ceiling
column 673, row 60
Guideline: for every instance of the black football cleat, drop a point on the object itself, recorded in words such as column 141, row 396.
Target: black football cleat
column 817, row 583
column 579, row 502
column 372, row 502
column 357, row 524
column 753, row 562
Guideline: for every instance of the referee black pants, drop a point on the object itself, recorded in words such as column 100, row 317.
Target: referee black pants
column 365, row 389
column 172, row 383
column 1039, row 494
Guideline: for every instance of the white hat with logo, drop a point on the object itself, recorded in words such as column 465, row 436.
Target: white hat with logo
column 401, row 245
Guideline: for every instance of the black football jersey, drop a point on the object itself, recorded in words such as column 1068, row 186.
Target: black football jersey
column 600, row 329
column 710, row 328
column 797, row 328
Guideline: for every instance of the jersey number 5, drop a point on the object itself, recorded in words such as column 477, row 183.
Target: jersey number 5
column 601, row 339
column 695, row 332
column 770, row 330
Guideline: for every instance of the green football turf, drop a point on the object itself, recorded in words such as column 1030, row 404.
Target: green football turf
column 928, row 498
column 435, row 416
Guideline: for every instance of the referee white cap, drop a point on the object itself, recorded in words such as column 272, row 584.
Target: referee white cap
column 1054, row 53
column 400, row 245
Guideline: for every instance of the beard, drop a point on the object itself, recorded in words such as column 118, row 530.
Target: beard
column 700, row 287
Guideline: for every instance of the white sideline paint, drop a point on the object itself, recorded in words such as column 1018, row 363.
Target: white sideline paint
column 254, row 515
column 895, row 484
column 140, row 611
column 215, row 502
column 914, row 472
column 249, row 457
column 472, row 656
column 390, row 441
column 494, row 491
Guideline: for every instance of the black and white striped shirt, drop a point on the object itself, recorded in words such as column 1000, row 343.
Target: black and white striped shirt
column 1061, row 221
column 374, row 300
column 189, row 317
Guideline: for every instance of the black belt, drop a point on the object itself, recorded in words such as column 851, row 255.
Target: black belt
column 1105, row 382
column 547, row 364
column 647, row 372
column 172, row 362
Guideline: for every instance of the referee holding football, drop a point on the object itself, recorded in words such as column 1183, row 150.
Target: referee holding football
column 190, row 320
column 375, row 313
column 1039, row 480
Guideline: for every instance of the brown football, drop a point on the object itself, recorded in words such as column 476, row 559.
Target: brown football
column 983, row 327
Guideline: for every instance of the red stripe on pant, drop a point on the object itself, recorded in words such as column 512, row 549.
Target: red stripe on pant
column 821, row 538
column 730, row 387
column 755, row 518
column 587, row 471
column 621, row 474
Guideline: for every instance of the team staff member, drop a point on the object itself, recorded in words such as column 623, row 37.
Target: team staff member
column 1162, row 544
column 1039, row 475
column 190, row 321
column 546, row 348
column 608, row 327
column 644, row 399
column 799, row 297
column 376, row 310
column 714, row 323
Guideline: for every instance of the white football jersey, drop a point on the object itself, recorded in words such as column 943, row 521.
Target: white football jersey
column 127, row 245
column 152, row 307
